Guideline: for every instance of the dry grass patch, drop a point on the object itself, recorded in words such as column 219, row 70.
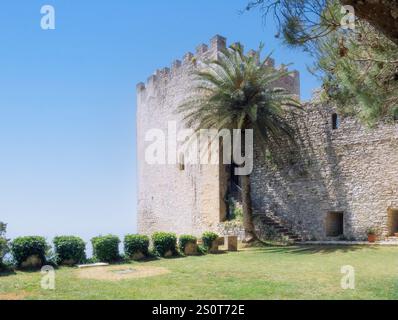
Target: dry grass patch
column 117, row 273
column 13, row 296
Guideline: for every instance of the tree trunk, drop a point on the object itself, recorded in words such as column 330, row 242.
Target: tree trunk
column 248, row 224
column 381, row 14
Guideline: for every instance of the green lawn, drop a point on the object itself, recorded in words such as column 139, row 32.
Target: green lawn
column 257, row 273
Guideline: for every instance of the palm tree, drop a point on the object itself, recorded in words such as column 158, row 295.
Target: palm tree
column 236, row 91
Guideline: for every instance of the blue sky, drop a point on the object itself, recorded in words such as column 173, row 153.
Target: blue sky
column 67, row 102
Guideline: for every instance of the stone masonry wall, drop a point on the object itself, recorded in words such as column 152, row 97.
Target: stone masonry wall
column 169, row 199
column 352, row 169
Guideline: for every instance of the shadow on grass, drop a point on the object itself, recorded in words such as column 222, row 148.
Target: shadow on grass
column 6, row 273
column 310, row 249
column 152, row 258
column 173, row 257
column 217, row 253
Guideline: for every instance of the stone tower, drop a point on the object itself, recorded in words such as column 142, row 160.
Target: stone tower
column 185, row 199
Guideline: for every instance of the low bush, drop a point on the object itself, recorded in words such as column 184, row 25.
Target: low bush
column 69, row 249
column 26, row 247
column 106, row 248
column 164, row 242
column 236, row 211
column 208, row 238
column 184, row 240
column 134, row 243
column 202, row 250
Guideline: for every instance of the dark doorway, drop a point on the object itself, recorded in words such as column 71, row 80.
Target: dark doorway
column 393, row 221
column 335, row 224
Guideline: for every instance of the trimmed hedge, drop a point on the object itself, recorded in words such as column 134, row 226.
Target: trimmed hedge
column 164, row 242
column 184, row 240
column 24, row 247
column 69, row 249
column 106, row 248
column 135, row 243
column 208, row 238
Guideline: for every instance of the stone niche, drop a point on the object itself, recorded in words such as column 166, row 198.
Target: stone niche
column 334, row 224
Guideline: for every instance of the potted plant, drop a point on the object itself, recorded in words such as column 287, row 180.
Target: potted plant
column 372, row 236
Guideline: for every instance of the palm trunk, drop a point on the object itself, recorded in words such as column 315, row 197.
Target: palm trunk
column 248, row 224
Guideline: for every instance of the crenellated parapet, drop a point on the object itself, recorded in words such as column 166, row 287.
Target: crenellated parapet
column 204, row 52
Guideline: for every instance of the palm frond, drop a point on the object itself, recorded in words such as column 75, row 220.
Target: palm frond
column 238, row 92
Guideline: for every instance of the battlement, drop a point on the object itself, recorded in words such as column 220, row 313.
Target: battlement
column 204, row 52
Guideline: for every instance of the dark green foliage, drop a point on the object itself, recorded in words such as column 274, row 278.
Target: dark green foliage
column 208, row 238
column 69, row 248
column 163, row 242
column 184, row 240
column 359, row 74
column 358, row 68
column 106, row 248
column 24, row 247
column 316, row 18
column 298, row 21
column 91, row 260
column 236, row 92
column 235, row 210
column 135, row 243
column 3, row 243
column 202, row 250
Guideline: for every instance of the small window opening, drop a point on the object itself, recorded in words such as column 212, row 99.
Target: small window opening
column 335, row 121
column 335, row 224
column 181, row 162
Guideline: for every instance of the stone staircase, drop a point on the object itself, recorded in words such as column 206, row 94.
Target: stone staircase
column 277, row 225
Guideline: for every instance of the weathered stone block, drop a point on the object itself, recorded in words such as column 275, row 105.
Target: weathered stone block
column 232, row 243
column 138, row 256
column 33, row 262
column 191, row 249
column 169, row 254
column 214, row 247
column 221, row 241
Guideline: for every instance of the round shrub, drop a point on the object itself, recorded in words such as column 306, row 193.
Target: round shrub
column 135, row 243
column 164, row 242
column 106, row 248
column 208, row 238
column 69, row 249
column 184, row 240
column 25, row 247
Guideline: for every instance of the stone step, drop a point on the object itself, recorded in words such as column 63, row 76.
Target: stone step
column 279, row 227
